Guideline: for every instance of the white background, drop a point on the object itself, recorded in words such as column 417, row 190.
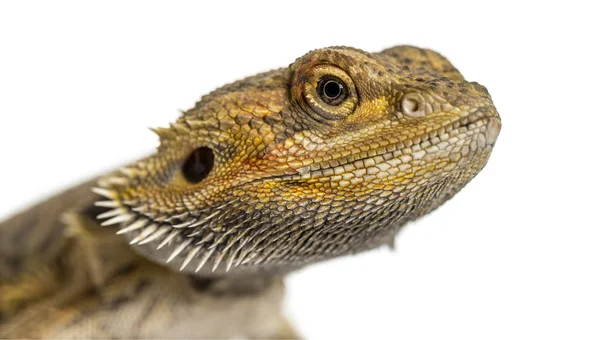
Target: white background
column 515, row 255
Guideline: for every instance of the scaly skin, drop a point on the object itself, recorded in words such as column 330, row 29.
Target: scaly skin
column 262, row 176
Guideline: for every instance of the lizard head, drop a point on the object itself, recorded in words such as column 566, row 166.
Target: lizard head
column 327, row 157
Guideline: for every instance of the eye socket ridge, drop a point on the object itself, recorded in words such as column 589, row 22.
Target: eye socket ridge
column 332, row 90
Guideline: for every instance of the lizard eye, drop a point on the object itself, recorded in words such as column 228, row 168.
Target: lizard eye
column 332, row 90
column 327, row 92
column 198, row 165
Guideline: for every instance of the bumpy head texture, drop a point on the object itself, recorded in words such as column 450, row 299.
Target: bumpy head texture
column 327, row 157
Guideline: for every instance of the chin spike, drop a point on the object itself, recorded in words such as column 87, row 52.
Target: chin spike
column 189, row 257
column 226, row 204
column 118, row 180
column 105, row 192
column 168, row 239
column 193, row 225
column 230, row 262
column 134, row 226
column 233, row 254
column 184, row 224
column 130, row 172
column 204, row 259
column 117, row 219
column 243, row 252
column 161, row 231
column 179, row 249
column 211, row 216
column 111, row 213
column 206, row 238
column 145, row 233
column 182, row 216
column 106, row 204
column 218, row 260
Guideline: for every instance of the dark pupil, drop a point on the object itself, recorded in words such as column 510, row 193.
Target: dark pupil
column 198, row 165
column 332, row 89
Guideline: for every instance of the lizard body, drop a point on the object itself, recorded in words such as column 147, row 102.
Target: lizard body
column 328, row 157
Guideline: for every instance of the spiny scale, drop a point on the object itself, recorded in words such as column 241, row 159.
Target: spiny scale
column 106, row 204
column 111, row 213
column 118, row 180
column 228, row 246
column 104, row 192
column 195, row 233
column 218, row 260
column 120, row 215
column 179, row 216
column 127, row 172
column 204, row 259
column 218, row 241
column 189, row 257
column 230, row 262
column 211, row 216
column 193, row 225
column 117, row 219
column 249, row 249
column 226, row 204
column 179, row 249
column 168, row 239
column 184, row 224
column 134, row 226
column 145, row 233
column 235, row 259
column 242, row 255
column 161, row 231
column 202, row 221
column 153, row 231
column 206, row 238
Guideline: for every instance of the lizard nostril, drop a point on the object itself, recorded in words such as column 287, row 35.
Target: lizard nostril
column 492, row 130
column 198, row 165
column 412, row 105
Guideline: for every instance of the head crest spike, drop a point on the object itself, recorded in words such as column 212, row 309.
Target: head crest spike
column 163, row 132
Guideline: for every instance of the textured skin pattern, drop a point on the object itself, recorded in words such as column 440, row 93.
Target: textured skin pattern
column 295, row 180
column 70, row 278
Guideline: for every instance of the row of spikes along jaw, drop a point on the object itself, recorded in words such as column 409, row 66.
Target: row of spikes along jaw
column 180, row 229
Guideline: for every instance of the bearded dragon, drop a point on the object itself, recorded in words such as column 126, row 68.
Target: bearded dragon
column 327, row 157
